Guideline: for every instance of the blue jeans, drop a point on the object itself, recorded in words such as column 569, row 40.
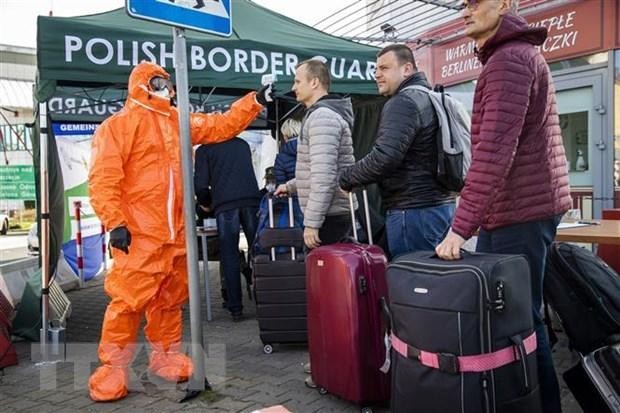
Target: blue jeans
column 533, row 240
column 229, row 224
column 417, row 229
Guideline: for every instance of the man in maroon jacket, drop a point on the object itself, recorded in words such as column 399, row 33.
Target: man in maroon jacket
column 517, row 186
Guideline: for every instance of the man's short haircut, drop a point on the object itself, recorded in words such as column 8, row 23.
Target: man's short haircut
column 403, row 54
column 318, row 69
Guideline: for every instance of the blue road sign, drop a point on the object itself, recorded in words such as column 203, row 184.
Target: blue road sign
column 211, row 16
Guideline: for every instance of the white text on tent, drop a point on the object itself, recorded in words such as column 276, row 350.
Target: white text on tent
column 100, row 51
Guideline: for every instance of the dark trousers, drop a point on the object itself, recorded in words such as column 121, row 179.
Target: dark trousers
column 533, row 240
column 229, row 224
column 335, row 228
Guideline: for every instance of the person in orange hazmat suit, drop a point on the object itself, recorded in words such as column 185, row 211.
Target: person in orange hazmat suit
column 135, row 187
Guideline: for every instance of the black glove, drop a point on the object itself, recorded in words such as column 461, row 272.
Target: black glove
column 266, row 94
column 343, row 182
column 120, row 238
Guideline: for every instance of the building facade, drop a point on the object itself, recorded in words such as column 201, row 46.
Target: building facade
column 17, row 74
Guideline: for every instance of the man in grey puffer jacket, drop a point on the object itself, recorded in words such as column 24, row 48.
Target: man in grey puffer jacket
column 324, row 148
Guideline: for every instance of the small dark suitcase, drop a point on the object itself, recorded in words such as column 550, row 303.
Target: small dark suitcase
column 280, row 286
column 595, row 380
column 345, row 336
column 463, row 335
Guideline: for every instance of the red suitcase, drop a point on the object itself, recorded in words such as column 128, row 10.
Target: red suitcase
column 8, row 356
column 345, row 283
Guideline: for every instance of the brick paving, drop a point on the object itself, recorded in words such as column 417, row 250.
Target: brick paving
column 243, row 377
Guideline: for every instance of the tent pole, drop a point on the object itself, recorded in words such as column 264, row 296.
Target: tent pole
column 44, row 228
column 275, row 101
column 197, row 382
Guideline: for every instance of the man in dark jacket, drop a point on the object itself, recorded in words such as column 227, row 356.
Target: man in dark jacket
column 226, row 169
column 403, row 159
column 517, row 186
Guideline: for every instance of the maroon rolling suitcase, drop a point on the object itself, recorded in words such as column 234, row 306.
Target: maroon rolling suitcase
column 345, row 283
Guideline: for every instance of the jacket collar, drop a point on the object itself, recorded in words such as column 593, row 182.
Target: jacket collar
column 418, row 78
column 512, row 27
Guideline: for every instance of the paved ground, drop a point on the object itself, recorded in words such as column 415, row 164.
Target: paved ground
column 243, row 377
column 13, row 246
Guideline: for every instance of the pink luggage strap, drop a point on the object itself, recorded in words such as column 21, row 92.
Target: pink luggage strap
column 457, row 364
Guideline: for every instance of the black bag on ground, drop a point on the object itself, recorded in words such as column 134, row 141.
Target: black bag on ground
column 585, row 293
column 452, row 318
column 595, row 380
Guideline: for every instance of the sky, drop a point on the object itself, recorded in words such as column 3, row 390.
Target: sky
column 18, row 18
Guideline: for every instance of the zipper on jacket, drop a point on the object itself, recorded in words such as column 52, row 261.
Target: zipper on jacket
column 171, row 205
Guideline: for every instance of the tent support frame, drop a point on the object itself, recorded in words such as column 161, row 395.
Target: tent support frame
column 45, row 231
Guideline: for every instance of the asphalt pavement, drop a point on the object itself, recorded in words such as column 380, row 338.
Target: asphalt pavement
column 13, row 246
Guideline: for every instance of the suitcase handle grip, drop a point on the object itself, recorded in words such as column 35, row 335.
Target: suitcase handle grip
column 291, row 221
column 461, row 251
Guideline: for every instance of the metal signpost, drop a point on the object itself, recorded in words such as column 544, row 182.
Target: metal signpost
column 215, row 17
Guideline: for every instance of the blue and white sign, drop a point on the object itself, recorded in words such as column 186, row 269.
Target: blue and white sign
column 211, row 16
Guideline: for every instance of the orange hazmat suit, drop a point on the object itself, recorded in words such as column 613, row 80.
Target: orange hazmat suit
column 135, row 180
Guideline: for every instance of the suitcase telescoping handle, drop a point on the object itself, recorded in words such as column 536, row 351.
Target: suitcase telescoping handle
column 366, row 213
column 291, row 223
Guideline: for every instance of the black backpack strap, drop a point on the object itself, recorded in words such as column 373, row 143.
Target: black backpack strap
column 553, row 338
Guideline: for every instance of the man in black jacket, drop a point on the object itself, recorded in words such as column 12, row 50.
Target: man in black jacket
column 226, row 168
column 403, row 159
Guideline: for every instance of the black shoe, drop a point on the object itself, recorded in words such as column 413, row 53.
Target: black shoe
column 237, row 316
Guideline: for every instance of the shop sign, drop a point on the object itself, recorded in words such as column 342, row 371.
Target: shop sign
column 571, row 33
column 17, row 182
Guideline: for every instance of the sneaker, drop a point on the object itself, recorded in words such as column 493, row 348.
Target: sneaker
column 309, row 383
column 307, row 368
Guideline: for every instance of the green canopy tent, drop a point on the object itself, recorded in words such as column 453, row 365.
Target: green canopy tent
column 91, row 57
column 102, row 48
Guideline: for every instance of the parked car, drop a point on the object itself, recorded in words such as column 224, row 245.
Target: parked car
column 33, row 239
column 4, row 223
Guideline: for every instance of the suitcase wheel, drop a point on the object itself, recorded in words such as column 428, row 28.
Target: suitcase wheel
column 366, row 410
column 267, row 349
column 322, row 390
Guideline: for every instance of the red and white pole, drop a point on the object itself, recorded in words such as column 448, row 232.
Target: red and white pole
column 103, row 248
column 77, row 205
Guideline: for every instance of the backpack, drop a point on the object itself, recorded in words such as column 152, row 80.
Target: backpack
column 585, row 293
column 453, row 138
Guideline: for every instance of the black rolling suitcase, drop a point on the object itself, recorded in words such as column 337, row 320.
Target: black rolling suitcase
column 280, row 285
column 595, row 380
column 462, row 335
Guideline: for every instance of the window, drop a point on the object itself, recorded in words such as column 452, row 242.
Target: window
column 15, row 138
